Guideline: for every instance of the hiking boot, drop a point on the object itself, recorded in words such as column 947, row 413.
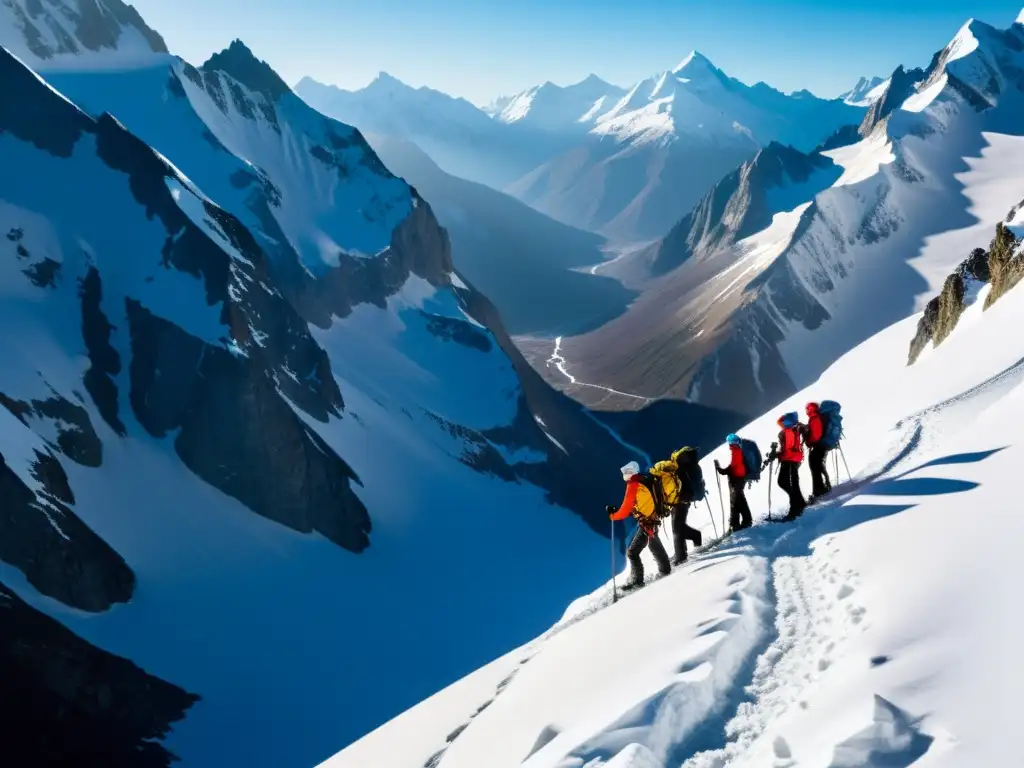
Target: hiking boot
column 631, row 585
column 677, row 561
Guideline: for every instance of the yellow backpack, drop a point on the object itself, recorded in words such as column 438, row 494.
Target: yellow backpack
column 666, row 474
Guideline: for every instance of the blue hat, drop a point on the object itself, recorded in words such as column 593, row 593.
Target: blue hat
column 733, row 439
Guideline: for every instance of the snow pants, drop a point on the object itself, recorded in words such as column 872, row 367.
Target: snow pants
column 817, row 461
column 739, row 510
column 681, row 532
column 640, row 540
column 789, row 481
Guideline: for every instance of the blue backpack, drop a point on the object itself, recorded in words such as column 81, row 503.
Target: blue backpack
column 790, row 419
column 751, row 459
column 832, row 429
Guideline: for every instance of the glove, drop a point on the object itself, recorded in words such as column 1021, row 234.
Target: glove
column 610, row 510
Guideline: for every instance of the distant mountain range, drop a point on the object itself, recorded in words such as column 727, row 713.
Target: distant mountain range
column 625, row 163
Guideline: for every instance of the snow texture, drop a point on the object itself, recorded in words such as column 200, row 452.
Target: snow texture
column 843, row 639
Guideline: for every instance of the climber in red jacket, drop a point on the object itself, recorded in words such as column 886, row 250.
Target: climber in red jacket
column 739, row 510
column 790, row 453
column 813, row 432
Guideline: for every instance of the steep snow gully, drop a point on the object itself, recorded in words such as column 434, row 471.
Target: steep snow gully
column 843, row 639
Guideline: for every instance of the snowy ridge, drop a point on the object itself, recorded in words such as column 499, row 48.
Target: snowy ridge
column 554, row 107
column 788, row 645
column 78, row 34
column 866, row 92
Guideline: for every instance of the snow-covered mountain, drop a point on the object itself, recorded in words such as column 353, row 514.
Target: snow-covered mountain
column 759, row 314
column 59, row 34
column 624, row 163
column 865, row 93
column 530, row 266
column 790, row 645
column 560, row 108
column 656, row 152
column 255, row 429
column 461, row 138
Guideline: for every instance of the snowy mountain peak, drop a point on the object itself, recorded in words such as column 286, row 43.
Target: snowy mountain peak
column 240, row 62
column 865, row 93
column 694, row 63
column 77, row 34
column 1020, row 17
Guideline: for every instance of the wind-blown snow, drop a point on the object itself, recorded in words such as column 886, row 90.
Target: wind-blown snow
column 790, row 645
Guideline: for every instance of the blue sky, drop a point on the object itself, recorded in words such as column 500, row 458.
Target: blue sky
column 479, row 49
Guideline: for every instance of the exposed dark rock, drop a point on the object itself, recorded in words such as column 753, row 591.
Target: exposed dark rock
column 256, row 75
column 458, row 331
column 901, row 86
column 37, row 115
column 43, row 274
column 843, row 137
column 76, row 437
column 1005, row 263
column 105, row 362
column 238, row 434
column 59, row 555
column 100, row 25
column 738, row 206
column 72, row 704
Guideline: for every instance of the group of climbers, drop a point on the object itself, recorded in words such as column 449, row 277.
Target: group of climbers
column 668, row 488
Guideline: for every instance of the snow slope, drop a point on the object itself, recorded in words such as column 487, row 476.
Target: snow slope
column 832, row 266
column 873, row 631
column 249, row 411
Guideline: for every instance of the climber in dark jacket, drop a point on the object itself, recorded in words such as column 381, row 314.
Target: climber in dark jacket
column 739, row 510
column 790, row 453
column 816, row 453
column 685, row 462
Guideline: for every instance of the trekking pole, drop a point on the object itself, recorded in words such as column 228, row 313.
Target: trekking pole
column 711, row 516
column 844, row 463
column 770, row 491
column 615, row 593
column 721, row 503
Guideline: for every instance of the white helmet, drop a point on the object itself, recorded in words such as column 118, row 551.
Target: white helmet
column 630, row 469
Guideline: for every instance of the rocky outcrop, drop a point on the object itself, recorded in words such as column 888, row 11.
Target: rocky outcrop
column 1005, row 263
column 901, row 86
column 256, row 75
column 1000, row 265
column 76, row 437
column 70, row 703
column 740, row 204
column 224, row 408
column 59, row 555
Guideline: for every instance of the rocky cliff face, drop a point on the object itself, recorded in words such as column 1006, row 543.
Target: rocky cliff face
column 743, row 203
column 76, row 704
